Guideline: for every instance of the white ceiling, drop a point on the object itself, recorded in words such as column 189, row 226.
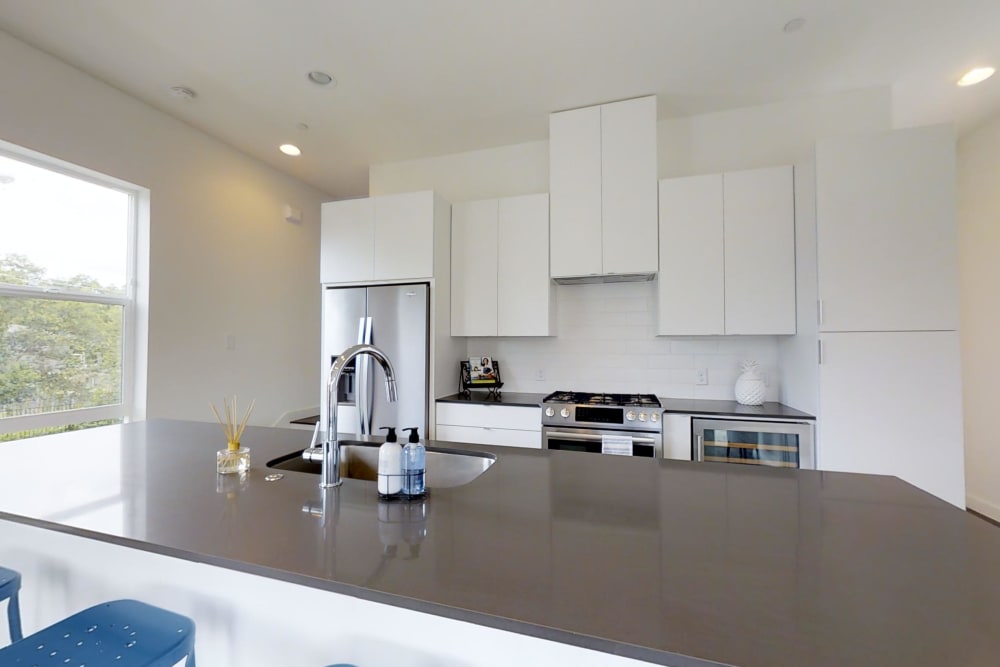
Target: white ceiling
column 428, row 77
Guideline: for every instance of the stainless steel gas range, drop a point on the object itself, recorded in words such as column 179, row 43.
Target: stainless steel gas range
column 623, row 424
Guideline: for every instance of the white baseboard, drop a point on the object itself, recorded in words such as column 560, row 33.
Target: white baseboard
column 982, row 506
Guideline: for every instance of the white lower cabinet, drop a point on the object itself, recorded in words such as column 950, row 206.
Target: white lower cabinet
column 676, row 436
column 483, row 424
column 891, row 404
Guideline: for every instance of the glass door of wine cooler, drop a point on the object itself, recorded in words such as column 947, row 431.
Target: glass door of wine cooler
column 760, row 443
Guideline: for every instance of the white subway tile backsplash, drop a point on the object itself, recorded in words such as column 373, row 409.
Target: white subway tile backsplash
column 606, row 342
column 694, row 345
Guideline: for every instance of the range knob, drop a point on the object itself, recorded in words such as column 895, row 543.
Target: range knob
column 655, row 417
column 564, row 413
column 630, row 415
column 642, row 416
column 549, row 412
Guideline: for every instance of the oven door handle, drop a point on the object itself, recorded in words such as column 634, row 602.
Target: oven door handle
column 699, row 450
column 589, row 437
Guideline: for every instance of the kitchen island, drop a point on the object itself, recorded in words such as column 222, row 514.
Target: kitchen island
column 547, row 558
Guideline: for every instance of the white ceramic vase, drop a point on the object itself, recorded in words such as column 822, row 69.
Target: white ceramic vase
column 750, row 387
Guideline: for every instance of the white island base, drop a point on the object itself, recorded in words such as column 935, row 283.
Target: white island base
column 245, row 620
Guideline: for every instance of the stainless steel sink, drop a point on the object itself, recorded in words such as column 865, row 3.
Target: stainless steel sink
column 359, row 460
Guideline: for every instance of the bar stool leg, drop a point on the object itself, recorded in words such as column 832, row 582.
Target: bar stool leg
column 14, row 618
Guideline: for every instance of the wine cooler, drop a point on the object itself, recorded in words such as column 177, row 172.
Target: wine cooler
column 780, row 444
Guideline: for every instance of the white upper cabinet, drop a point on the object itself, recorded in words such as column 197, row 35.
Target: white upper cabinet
column 347, row 240
column 602, row 177
column 886, row 231
column 404, row 236
column 727, row 250
column 500, row 268
column 760, row 251
column 628, row 186
column 575, row 185
column 525, row 295
column 474, row 268
column 382, row 238
column 692, row 289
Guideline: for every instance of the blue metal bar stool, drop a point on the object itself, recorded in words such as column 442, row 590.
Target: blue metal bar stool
column 10, row 584
column 123, row 633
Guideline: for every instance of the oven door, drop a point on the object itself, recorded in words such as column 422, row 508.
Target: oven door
column 645, row 444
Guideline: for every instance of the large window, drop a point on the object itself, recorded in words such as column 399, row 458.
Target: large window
column 67, row 296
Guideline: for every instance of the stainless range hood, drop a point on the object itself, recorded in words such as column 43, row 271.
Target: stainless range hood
column 609, row 278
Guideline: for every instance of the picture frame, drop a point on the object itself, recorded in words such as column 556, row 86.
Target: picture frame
column 472, row 376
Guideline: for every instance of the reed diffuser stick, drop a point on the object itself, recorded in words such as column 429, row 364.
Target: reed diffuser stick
column 232, row 427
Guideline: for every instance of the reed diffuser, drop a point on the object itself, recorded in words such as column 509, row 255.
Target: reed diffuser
column 234, row 458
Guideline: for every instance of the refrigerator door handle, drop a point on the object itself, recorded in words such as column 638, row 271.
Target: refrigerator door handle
column 360, row 380
column 364, row 390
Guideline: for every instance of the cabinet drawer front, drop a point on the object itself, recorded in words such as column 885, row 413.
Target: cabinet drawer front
column 490, row 436
column 490, row 416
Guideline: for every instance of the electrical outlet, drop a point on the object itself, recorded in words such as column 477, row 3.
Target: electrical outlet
column 540, row 375
column 701, row 376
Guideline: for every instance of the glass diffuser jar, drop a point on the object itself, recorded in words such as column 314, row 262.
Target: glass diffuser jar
column 232, row 459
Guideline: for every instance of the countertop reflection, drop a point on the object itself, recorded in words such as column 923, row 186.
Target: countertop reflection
column 672, row 562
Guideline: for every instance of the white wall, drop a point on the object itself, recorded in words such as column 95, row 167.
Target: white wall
column 979, row 278
column 605, row 339
column 520, row 169
column 222, row 259
column 769, row 135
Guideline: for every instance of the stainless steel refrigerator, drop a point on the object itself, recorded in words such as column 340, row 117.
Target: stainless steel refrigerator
column 394, row 318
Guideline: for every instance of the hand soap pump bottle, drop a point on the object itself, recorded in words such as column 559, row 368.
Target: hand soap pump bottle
column 414, row 465
column 390, row 465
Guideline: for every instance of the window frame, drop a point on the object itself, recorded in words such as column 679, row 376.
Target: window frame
column 127, row 408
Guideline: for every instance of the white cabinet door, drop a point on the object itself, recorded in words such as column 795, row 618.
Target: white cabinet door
column 692, row 269
column 892, row 405
column 486, row 415
column 474, row 268
column 490, row 436
column 575, row 186
column 628, row 186
column 404, row 236
column 760, row 251
column 347, row 231
column 524, row 291
column 887, row 247
column 676, row 436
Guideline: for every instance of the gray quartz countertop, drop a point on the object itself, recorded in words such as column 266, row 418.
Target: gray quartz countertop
column 672, row 562
column 519, row 399
column 769, row 410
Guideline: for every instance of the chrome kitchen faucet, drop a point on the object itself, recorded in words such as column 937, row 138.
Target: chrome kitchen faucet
column 329, row 452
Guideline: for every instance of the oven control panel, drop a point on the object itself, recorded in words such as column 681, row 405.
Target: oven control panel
column 583, row 415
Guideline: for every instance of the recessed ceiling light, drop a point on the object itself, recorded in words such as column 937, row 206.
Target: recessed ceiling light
column 290, row 149
column 6, row 180
column 976, row 75
column 794, row 25
column 183, row 93
column 321, row 78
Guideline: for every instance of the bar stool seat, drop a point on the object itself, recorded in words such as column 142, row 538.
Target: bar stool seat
column 10, row 584
column 123, row 633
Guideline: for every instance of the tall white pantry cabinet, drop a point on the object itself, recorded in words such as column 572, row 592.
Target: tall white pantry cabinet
column 884, row 270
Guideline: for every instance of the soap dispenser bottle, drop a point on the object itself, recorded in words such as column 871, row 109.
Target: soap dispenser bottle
column 414, row 465
column 390, row 465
